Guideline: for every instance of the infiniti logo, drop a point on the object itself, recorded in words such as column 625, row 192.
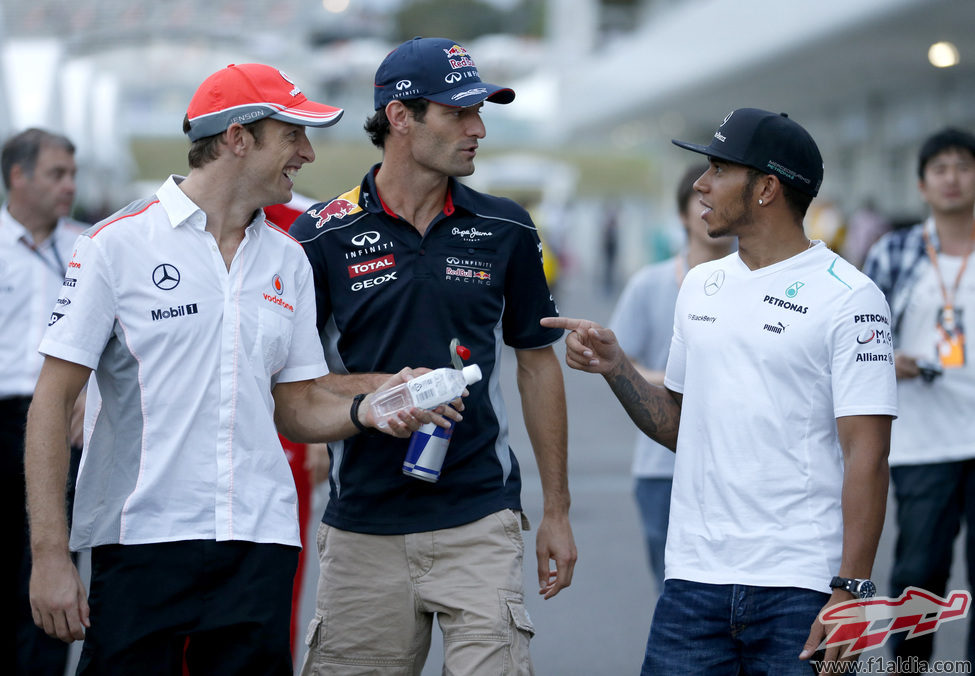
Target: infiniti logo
column 453, row 261
column 714, row 282
column 452, row 77
column 165, row 276
column 364, row 238
column 403, row 84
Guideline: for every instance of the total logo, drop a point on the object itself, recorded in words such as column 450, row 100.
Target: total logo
column 374, row 265
column 373, row 281
column 174, row 312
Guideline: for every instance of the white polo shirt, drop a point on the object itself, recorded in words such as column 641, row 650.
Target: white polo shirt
column 767, row 360
column 30, row 281
column 181, row 444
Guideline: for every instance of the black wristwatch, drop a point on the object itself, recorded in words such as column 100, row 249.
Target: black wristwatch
column 863, row 589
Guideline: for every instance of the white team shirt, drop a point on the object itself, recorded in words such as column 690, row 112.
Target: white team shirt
column 30, row 281
column 934, row 422
column 767, row 360
column 181, row 444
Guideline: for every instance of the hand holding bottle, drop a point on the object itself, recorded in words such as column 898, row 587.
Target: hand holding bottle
column 402, row 422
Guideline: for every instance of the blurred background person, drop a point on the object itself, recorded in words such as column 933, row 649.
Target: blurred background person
column 643, row 321
column 866, row 225
column 927, row 275
column 36, row 241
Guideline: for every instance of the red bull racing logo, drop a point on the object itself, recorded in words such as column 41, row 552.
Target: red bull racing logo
column 866, row 624
column 343, row 205
column 458, row 57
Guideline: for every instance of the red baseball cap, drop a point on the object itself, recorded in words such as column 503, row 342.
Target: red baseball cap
column 248, row 92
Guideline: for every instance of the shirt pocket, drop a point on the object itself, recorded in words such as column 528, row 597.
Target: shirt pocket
column 273, row 343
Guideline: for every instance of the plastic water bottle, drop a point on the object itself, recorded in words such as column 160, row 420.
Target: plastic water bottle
column 427, row 392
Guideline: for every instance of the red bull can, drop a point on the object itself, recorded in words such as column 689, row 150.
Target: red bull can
column 426, row 452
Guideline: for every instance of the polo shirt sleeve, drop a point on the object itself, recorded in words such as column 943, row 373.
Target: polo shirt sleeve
column 83, row 319
column 527, row 297
column 862, row 355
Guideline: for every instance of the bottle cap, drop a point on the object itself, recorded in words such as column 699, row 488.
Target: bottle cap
column 472, row 374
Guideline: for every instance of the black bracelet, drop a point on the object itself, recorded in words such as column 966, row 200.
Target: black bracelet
column 354, row 412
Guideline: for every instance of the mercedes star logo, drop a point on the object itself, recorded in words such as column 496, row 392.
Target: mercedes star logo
column 714, row 282
column 364, row 238
column 165, row 276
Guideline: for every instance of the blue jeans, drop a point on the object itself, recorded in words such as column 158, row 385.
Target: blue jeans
column 932, row 501
column 653, row 498
column 729, row 629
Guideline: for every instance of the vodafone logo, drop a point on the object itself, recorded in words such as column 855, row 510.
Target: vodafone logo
column 374, row 265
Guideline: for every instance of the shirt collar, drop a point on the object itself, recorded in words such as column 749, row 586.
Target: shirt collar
column 12, row 230
column 182, row 210
column 373, row 201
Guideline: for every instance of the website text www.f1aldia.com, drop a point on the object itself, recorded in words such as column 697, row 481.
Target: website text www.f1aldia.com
column 899, row 665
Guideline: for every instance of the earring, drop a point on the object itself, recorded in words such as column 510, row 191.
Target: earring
column 760, row 202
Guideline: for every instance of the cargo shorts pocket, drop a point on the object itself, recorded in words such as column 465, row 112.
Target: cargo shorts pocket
column 520, row 617
column 313, row 635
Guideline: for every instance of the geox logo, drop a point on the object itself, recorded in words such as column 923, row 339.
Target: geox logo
column 173, row 312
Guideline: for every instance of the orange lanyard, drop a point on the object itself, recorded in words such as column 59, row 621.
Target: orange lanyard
column 933, row 255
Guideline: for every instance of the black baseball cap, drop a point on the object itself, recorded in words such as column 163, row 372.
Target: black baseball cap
column 769, row 142
column 436, row 69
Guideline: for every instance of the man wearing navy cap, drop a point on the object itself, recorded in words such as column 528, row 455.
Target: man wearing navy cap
column 197, row 318
column 403, row 263
column 778, row 399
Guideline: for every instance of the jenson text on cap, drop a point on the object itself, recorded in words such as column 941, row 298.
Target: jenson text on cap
column 247, row 92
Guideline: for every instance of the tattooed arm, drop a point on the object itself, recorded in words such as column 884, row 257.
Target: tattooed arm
column 593, row 349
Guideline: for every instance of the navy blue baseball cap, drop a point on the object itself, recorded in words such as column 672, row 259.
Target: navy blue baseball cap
column 770, row 142
column 436, row 69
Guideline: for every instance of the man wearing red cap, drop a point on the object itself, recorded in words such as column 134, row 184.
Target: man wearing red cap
column 403, row 263
column 197, row 318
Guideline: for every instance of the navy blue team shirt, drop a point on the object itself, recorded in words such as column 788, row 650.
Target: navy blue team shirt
column 389, row 298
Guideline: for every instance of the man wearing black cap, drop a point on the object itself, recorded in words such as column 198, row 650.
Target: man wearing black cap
column 403, row 263
column 778, row 398
column 197, row 318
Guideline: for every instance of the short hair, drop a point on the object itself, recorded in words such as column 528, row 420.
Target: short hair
column 947, row 139
column 797, row 200
column 207, row 149
column 685, row 187
column 22, row 150
column 377, row 126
